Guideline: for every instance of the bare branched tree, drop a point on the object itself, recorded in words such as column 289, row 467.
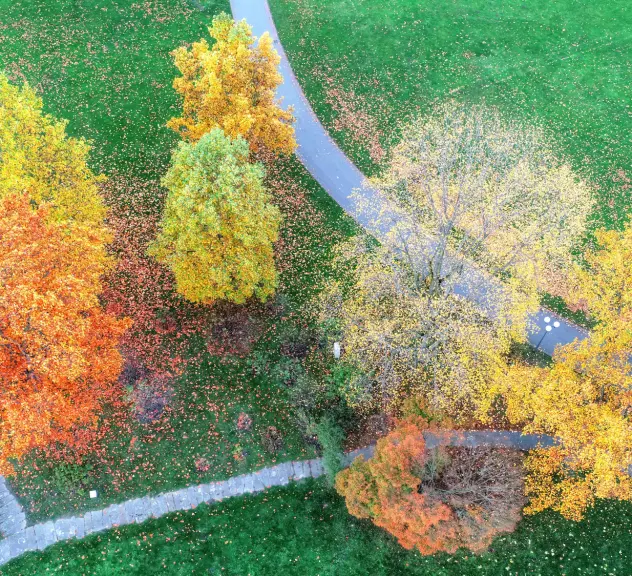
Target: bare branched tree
column 469, row 197
column 483, row 486
column 473, row 216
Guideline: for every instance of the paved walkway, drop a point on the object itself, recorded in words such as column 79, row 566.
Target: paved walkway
column 12, row 517
column 331, row 168
column 135, row 511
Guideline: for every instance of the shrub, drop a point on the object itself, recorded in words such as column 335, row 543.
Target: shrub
column 331, row 437
column 202, row 465
column 244, row 422
column 149, row 396
column 238, row 452
column 272, row 440
column 71, row 478
column 278, row 369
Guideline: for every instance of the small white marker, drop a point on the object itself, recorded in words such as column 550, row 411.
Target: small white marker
column 93, row 493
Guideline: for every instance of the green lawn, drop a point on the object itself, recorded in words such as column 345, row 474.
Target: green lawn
column 367, row 65
column 304, row 529
column 104, row 65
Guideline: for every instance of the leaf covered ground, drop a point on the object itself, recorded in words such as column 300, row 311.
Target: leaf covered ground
column 106, row 68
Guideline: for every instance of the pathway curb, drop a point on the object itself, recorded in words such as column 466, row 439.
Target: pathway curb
column 12, row 517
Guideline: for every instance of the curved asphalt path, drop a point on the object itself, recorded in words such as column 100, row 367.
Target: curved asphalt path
column 331, row 168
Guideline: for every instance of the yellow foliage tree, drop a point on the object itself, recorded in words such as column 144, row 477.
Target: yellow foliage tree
column 37, row 158
column 232, row 85
column 585, row 398
column 603, row 284
column 404, row 339
column 469, row 197
column 219, row 226
column 473, row 213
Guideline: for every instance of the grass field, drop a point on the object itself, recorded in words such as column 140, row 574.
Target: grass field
column 304, row 530
column 368, row 65
column 105, row 67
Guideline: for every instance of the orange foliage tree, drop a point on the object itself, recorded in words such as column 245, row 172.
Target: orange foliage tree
column 434, row 501
column 58, row 357
column 232, row 85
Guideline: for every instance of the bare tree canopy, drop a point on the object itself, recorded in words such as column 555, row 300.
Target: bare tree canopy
column 475, row 217
column 468, row 192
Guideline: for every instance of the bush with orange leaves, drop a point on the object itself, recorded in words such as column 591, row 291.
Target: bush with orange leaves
column 437, row 500
column 58, row 358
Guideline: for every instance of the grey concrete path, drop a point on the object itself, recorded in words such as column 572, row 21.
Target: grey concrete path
column 317, row 151
column 135, row 511
column 331, row 168
column 12, row 517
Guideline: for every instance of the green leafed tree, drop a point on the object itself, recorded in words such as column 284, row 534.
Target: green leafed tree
column 219, row 225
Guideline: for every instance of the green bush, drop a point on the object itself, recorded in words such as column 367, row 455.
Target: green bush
column 331, row 436
column 278, row 368
column 71, row 478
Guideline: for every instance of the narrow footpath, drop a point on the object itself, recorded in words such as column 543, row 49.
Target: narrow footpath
column 138, row 510
column 12, row 517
